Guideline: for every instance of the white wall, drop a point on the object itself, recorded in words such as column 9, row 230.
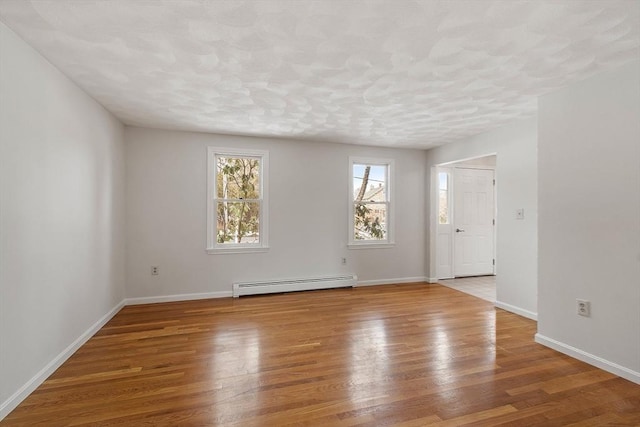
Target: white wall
column 516, row 185
column 486, row 162
column 61, row 216
column 589, row 223
column 308, row 187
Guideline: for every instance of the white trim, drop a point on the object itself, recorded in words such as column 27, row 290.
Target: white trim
column 487, row 168
column 29, row 387
column 371, row 245
column 239, row 250
column 432, row 187
column 466, row 159
column 177, row 297
column 444, row 270
column 516, row 310
column 390, row 281
column 390, row 202
column 432, row 280
column 212, row 245
column 589, row 358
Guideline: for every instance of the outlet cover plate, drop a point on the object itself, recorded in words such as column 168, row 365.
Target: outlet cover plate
column 583, row 307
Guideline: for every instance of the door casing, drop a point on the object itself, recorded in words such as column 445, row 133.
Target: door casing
column 441, row 243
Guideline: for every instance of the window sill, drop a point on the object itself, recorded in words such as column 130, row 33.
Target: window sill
column 245, row 250
column 371, row 245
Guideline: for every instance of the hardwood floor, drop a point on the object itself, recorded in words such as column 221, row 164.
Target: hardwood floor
column 401, row 355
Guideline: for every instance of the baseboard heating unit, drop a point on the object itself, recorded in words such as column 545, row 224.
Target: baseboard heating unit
column 291, row 285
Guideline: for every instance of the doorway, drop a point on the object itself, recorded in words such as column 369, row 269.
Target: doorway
column 465, row 223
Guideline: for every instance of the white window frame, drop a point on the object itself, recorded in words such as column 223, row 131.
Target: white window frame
column 213, row 247
column 389, row 242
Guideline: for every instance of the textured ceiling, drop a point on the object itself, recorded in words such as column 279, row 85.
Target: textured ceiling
column 395, row 73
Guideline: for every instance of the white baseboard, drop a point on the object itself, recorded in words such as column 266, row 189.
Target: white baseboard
column 391, row 281
column 12, row 402
column 178, row 297
column 517, row 310
column 432, row 280
column 589, row 358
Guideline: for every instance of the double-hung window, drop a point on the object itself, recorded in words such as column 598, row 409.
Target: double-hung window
column 370, row 203
column 237, row 206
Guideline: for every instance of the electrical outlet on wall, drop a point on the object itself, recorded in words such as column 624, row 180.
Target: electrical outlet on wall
column 344, row 261
column 520, row 213
column 583, row 307
column 155, row 270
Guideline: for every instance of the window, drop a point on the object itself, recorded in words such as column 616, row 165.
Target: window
column 237, row 205
column 370, row 203
column 443, row 198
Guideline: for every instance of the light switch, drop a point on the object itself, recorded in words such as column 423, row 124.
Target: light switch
column 519, row 213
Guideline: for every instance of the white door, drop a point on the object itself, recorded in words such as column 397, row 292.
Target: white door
column 473, row 222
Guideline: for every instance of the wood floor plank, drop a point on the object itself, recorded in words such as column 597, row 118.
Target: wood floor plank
column 397, row 355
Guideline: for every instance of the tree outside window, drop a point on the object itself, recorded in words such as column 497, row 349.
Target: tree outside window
column 237, row 200
column 370, row 202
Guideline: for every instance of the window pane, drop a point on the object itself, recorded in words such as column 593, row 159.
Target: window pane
column 443, row 198
column 444, row 180
column 443, row 211
column 370, row 221
column 238, row 177
column 369, row 183
column 238, row 222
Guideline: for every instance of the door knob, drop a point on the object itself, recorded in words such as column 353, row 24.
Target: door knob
column 459, row 230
